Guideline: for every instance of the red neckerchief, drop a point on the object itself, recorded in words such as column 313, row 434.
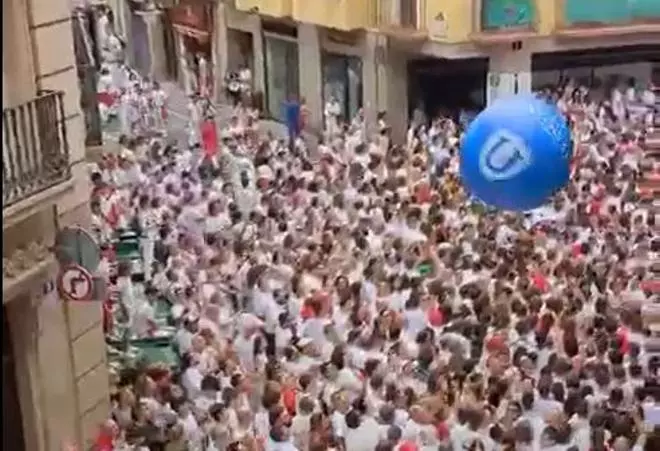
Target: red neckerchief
column 103, row 442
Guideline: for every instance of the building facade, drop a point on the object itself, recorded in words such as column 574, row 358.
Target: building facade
column 55, row 379
column 392, row 54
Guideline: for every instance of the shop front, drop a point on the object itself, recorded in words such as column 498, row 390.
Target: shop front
column 342, row 82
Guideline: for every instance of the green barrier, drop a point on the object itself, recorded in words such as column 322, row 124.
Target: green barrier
column 163, row 353
column 145, row 351
column 128, row 244
column 163, row 311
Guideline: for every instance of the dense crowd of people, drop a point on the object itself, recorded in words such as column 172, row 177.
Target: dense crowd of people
column 361, row 301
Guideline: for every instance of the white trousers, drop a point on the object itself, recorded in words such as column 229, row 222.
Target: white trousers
column 147, row 249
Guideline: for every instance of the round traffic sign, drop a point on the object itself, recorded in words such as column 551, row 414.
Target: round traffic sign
column 75, row 283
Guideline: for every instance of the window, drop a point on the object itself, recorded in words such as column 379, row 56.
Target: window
column 281, row 74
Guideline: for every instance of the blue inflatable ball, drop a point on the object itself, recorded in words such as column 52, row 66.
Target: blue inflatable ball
column 516, row 153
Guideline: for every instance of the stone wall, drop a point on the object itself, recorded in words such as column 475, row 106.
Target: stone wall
column 59, row 347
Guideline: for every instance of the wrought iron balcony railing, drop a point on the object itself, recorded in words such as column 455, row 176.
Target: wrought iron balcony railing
column 35, row 149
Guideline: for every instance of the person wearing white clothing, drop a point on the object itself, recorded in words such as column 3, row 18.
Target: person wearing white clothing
column 159, row 100
column 362, row 432
column 148, row 219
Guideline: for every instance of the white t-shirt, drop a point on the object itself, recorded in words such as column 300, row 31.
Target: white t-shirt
column 272, row 445
column 313, row 329
column 184, row 340
column 338, row 421
column 141, row 318
column 245, row 350
column 191, row 380
column 415, row 321
column 363, row 438
column 215, row 224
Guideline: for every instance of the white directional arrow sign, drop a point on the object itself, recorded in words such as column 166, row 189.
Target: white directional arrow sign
column 75, row 283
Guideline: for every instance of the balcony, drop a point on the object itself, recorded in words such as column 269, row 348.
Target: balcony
column 35, row 150
column 402, row 20
column 577, row 18
column 502, row 21
column 272, row 8
column 344, row 15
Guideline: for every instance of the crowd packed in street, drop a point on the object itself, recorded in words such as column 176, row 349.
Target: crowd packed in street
column 362, row 301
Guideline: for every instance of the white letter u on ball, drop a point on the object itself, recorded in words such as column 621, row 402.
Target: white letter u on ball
column 504, row 156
